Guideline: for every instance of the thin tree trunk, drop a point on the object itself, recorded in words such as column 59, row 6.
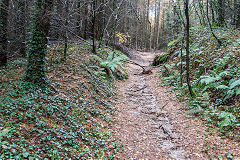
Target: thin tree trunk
column 238, row 14
column 155, row 24
column 158, row 26
column 22, row 24
column 150, row 39
column 143, row 31
column 93, row 27
column 66, row 29
column 78, row 17
column 181, row 65
column 136, row 39
column 86, row 25
column 210, row 26
column 3, row 31
column 221, row 12
column 202, row 12
column 196, row 11
column 212, row 12
column 102, row 22
column 125, row 19
column 114, row 24
column 187, row 47
column 148, row 26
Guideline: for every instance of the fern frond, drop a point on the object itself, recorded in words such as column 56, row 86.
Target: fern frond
column 99, row 59
column 209, row 79
column 235, row 84
column 237, row 91
column 223, row 87
column 224, row 73
column 110, row 56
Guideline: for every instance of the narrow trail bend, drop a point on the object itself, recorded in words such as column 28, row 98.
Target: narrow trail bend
column 151, row 123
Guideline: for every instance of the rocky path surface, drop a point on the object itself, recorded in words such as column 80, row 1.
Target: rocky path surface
column 151, row 123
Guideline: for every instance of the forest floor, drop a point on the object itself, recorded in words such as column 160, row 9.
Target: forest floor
column 152, row 124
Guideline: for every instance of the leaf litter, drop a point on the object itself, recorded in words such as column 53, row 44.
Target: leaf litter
column 153, row 124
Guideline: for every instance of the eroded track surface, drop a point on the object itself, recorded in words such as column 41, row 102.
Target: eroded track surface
column 153, row 125
column 146, row 129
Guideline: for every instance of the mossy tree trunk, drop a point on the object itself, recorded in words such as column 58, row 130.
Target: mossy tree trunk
column 3, row 31
column 38, row 42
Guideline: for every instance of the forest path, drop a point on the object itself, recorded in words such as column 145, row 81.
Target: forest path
column 144, row 125
column 152, row 124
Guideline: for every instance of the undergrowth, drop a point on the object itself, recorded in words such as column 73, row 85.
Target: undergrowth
column 69, row 119
column 215, row 77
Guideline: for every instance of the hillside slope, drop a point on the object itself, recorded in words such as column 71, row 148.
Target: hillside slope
column 68, row 119
column 215, row 77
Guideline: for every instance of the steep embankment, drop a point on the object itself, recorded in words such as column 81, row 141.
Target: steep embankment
column 153, row 124
column 66, row 120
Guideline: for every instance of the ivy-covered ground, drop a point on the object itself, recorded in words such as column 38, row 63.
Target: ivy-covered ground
column 215, row 77
column 69, row 119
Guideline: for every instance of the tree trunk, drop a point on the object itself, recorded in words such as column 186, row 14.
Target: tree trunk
column 148, row 27
column 3, row 31
column 187, row 47
column 38, row 42
column 66, row 29
column 202, row 11
column 158, row 26
column 102, row 22
column 238, row 14
column 93, row 27
column 210, row 26
column 150, row 39
column 78, row 23
column 22, row 24
column 114, row 7
column 125, row 21
column 221, row 12
column 86, row 25
column 181, row 65
column 212, row 12
column 136, row 36
column 196, row 12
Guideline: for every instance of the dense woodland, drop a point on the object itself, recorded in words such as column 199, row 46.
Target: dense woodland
column 59, row 59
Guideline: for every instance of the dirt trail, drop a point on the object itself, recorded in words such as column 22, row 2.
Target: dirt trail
column 151, row 123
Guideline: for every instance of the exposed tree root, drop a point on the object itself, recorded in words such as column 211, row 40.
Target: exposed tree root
column 145, row 71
